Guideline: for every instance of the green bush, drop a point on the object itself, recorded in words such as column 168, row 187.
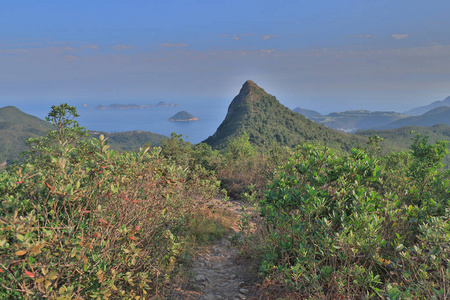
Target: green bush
column 246, row 170
column 81, row 221
column 358, row 226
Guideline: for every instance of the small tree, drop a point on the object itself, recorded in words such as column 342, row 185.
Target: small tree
column 59, row 142
column 67, row 129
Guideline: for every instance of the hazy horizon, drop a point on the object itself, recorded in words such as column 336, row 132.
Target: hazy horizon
column 322, row 55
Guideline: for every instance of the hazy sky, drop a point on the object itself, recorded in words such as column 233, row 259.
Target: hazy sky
column 323, row 55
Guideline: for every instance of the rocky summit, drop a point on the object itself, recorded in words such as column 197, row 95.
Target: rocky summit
column 267, row 121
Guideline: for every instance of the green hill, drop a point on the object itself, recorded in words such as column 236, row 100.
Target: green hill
column 13, row 137
column 11, row 114
column 16, row 127
column 439, row 115
column 267, row 121
column 307, row 112
column 399, row 139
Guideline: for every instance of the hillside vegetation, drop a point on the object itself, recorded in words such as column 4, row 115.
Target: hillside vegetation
column 266, row 121
column 130, row 140
column 399, row 139
column 16, row 127
column 356, row 226
column 80, row 221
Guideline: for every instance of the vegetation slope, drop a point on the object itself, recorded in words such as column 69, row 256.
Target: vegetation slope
column 78, row 220
column 16, row 127
column 266, row 121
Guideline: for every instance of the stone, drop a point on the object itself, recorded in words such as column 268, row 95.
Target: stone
column 200, row 278
column 209, row 297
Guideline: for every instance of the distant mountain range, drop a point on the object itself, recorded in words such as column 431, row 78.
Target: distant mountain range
column 423, row 109
column 439, row 115
column 351, row 121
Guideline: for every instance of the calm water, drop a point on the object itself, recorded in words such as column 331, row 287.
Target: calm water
column 210, row 115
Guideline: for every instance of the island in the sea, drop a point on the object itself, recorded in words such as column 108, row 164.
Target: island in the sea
column 136, row 106
column 183, row 116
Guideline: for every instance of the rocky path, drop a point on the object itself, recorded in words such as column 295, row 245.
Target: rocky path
column 218, row 271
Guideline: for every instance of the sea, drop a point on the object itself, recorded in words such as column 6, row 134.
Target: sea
column 210, row 114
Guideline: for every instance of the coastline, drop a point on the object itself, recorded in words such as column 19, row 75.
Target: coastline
column 188, row 120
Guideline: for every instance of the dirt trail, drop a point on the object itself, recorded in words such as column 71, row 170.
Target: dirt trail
column 218, row 271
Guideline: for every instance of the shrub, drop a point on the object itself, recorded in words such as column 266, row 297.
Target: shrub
column 246, row 171
column 81, row 221
column 359, row 226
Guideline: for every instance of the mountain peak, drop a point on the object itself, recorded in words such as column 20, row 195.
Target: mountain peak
column 248, row 87
column 267, row 121
column 250, row 83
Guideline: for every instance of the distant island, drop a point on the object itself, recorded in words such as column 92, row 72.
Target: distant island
column 183, row 116
column 136, row 106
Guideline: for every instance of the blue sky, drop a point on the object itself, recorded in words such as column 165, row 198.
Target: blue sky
column 324, row 55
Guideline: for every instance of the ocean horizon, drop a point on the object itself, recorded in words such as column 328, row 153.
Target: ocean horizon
column 155, row 119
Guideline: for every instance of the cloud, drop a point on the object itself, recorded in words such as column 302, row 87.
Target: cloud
column 92, row 47
column 236, row 37
column 173, row 45
column 299, row 71
column 365, row 36
column 70, row 57
column 63, row 49
column 399, row 36
column 120, row 47
column 269, row 36
column 13, row 51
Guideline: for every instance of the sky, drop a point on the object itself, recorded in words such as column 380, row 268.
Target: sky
column 322, row 55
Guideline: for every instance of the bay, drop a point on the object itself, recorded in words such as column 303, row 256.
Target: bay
column 210, row 115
